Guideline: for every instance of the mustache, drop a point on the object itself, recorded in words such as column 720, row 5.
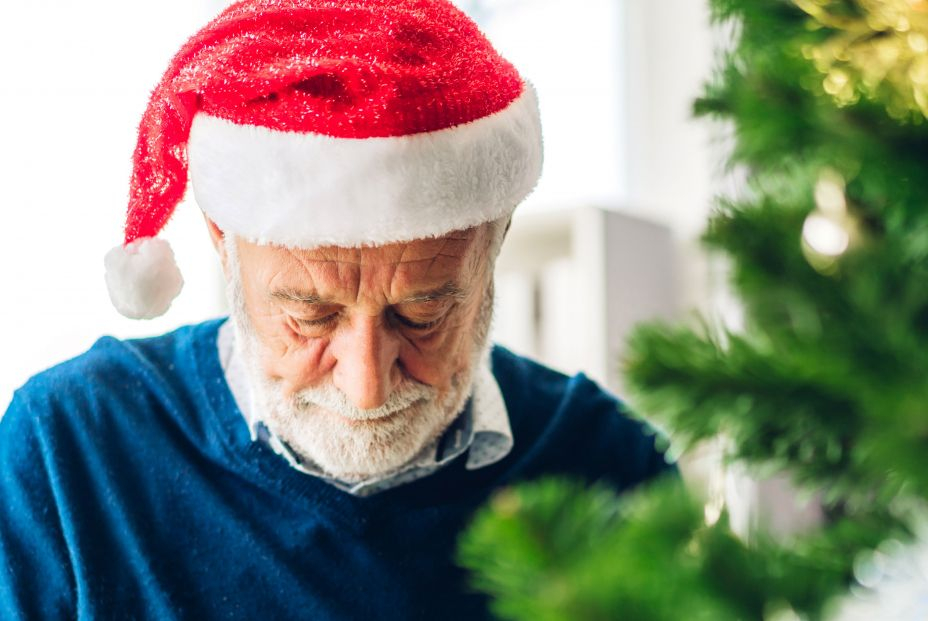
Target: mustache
column 407, row 394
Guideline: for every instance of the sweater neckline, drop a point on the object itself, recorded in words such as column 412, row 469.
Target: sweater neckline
column 263, row 467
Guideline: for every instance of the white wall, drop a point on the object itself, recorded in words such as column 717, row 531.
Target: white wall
column 572, row 284
column 571, row 50
column 617, row 80
column 673, row 163
column 76, row 79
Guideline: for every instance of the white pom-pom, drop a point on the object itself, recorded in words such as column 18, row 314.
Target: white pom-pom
column 142, row 278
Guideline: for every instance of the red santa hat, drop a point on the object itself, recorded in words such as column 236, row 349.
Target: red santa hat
column 306, row 123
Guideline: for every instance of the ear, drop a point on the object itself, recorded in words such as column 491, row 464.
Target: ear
column 218, row 237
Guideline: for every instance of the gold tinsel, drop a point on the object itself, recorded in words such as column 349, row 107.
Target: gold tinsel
column 881, row 54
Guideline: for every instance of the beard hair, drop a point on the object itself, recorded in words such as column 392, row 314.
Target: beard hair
column 321, row 425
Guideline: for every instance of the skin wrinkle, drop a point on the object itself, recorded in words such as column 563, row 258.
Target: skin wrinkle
column 342, row 264
column 350, row 276
column 300, row 260
column 449, row 290
column 364, row 286
column 361, row 263
column 432, row 264
column 402, row 255
column 388, row 286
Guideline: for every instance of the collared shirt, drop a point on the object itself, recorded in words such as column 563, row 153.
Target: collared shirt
column 482, row 428
column 92, row 448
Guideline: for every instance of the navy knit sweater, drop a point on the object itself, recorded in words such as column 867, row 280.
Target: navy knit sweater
column 131, row 489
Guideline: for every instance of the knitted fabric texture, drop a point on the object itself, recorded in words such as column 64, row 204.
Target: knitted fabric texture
column 132, row 489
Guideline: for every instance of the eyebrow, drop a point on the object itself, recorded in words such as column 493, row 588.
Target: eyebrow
column 445, row 291
column 292, row 295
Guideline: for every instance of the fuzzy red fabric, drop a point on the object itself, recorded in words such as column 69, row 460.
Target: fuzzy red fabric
column 347, row 69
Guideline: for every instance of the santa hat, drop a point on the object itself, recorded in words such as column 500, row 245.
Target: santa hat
column 326, row 122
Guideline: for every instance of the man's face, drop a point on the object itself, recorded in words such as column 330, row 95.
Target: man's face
column 360, row 357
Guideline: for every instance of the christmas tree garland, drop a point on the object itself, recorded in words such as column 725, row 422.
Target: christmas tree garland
column 826, row 383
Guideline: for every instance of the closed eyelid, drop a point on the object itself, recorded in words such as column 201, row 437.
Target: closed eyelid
column 327, row 319
column 418, row 325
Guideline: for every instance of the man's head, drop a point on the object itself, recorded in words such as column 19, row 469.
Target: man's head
column 310, row 123
column 359, row 357
column 357, row 162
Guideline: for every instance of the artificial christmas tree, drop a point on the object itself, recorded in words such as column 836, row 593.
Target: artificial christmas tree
column 825, row 383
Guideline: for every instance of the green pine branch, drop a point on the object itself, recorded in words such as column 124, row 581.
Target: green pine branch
column 557, row 551
column 825, row 383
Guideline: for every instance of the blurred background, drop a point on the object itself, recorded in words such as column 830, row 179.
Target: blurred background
column 605, row 240
column 609, row 238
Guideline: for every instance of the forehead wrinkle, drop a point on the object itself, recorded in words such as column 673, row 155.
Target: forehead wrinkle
column 356, row 270
column 305, row 264
column 403, row 254
column 457, row 257
column 435, row 257
column 412, row 272
column 388, row 286
column 448, row 290
column 378, row 263
column 386, row 254
column 350, row 272
column 293, row 295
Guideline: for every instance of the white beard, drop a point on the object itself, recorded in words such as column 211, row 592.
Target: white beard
column 322, row 425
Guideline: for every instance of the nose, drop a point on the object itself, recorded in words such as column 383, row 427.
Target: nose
column 366, row 370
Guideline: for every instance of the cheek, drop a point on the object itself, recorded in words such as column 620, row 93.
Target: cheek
column 297, row 366
column 435, row 371
column 295, row 360
column 435, row 360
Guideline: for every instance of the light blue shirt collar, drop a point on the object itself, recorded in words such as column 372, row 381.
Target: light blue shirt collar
column 482, row 428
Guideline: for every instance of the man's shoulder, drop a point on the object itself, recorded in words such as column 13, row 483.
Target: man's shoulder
column 111, row 374
column 528, row 383
column 581, row 428
column 110, row 359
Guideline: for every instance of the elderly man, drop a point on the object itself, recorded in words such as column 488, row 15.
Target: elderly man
column 316, row 455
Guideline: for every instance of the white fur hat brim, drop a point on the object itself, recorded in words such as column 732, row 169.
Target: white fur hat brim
column 308, row 190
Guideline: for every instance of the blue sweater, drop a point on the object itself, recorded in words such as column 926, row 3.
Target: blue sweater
column 131, row 489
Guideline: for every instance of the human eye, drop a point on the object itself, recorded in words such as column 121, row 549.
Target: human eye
column 416, row 325
column 311, row 322
column 420, row 317
column 317, row 322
